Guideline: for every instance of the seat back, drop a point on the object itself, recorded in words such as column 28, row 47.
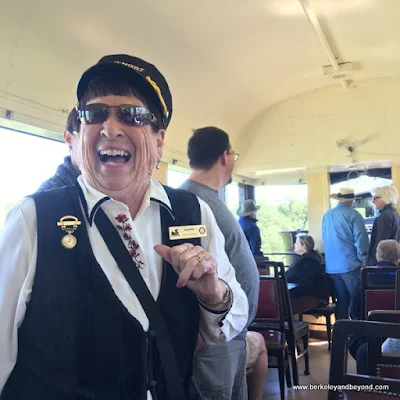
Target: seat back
column 268, row 299
column 263, row 271
column 338, row 374
column 398, row 290
column 282, row 291
column 270, row 265
column 260, row 259
column 384, row 365
column 262, row 265
column 287, row 305
column 378, row 289
column 270, row 305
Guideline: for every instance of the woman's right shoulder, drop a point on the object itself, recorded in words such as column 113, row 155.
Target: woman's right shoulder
column 23, row 211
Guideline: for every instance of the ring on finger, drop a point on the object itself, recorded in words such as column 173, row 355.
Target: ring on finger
column 201, row 257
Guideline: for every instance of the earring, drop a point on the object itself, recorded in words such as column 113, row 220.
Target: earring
column 158, row 164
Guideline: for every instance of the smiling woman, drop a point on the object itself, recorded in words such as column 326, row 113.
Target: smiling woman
column 34, row 159
column 97, row 255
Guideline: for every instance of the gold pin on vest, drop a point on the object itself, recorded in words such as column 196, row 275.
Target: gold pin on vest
column 69, row 224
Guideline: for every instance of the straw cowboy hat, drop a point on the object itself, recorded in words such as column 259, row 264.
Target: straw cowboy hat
column 344, row 194
column 248, row 207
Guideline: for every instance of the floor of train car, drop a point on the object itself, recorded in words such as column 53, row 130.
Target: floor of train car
column 319, row 374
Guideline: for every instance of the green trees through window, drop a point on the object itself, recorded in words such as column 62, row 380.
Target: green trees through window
column 272, row 219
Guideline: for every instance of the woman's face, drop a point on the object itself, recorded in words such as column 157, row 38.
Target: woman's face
column 379, row 203
column 114, row 157
column 299, row 247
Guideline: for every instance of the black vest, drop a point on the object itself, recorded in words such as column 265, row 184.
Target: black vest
column 77, row 340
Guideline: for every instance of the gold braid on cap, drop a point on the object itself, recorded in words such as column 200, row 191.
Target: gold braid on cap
column 152, row 83
column 135, row 67
column 158, row 91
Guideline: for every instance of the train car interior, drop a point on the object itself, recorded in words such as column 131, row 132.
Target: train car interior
column 308, row 92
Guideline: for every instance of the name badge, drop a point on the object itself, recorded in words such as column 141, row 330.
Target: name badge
column 187, row 232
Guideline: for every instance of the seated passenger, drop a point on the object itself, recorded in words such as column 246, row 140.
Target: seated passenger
column 307, row 273
column 256, row 364
column 388, row 255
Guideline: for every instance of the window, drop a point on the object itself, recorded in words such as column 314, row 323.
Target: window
column 175, row 177
column 232, row 197
column 363, row 185
column 26, row 161
column 283, row 208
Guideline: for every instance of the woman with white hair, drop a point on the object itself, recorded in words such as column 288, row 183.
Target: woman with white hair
column 387, row 224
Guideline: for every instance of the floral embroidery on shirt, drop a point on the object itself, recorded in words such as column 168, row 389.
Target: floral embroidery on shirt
column 125, row 227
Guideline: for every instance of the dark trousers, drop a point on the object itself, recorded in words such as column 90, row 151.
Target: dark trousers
column 345, row 285
column 362, row 359
column 303, row 303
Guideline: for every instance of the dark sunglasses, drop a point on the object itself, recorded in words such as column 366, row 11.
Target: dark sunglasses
column 98, row 113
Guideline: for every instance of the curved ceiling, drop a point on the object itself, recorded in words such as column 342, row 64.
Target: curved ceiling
column 226, row 61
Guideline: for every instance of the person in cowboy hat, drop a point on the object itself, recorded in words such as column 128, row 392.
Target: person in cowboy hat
column 346, row 248
column 247, row 213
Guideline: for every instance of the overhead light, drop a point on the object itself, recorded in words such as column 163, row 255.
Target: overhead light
column 280, row 171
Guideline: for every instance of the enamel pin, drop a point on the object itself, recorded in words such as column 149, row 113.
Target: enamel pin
column 69, row 224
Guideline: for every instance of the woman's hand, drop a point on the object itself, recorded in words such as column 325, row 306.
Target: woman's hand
column 196, row 269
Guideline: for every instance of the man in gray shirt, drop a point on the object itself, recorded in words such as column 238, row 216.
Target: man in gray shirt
column 219, row 369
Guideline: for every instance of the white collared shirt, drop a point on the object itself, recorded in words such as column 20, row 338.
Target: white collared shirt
column 18, row 255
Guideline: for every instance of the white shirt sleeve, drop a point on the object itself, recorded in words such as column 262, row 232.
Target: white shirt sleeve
column 18, row 256
column 222, row 327
column 18, row 250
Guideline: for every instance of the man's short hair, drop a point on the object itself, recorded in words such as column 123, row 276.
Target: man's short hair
column 206, row 146
column 388, row 251
column 73, row 124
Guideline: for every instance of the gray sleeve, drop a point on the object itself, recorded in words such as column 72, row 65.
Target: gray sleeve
column 248, row 277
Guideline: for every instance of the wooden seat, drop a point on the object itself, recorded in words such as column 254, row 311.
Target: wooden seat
column 294, row 330
column 338, row 369
column 273, row 338
column 270, row 309
column 301, row 327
